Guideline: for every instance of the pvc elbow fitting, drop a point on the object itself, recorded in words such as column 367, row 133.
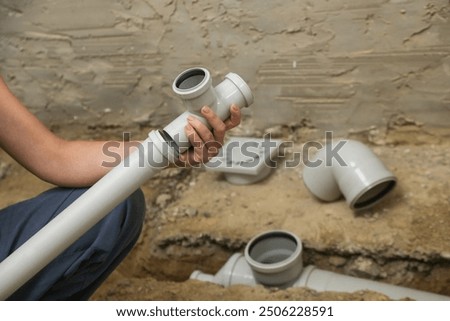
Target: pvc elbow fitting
column 194, row 87
column 357, row 173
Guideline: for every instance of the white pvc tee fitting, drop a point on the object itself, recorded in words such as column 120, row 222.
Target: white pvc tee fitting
column 358, row 174
column 194, row 87
column 271, row 258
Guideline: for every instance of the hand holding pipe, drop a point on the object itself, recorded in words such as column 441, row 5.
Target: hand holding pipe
column 194, row 87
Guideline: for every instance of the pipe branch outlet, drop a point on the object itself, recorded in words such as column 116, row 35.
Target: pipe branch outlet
column 273, row 259
column 355, row 172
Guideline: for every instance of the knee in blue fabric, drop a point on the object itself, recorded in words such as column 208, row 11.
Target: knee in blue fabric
column 79, row 270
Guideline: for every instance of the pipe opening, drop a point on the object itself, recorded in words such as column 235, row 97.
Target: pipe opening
column 273, row 248
column 374, row 194
column 190, row 79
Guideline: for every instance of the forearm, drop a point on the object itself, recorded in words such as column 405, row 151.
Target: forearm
column 22, row 135
column 82, row 163
column 55, row 160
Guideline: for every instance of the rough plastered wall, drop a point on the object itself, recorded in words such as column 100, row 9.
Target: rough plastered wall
column 339, row 64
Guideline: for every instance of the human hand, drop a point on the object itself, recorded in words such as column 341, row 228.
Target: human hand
column 205, row 142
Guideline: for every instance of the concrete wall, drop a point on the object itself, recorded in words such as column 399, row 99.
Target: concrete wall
column 341, row 64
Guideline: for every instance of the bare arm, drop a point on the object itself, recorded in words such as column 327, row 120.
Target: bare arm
column 34, row 146
column 79, row 163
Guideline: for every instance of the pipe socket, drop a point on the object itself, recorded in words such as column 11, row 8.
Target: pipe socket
column 274, row 259
column 194, row 87
column 351, row 169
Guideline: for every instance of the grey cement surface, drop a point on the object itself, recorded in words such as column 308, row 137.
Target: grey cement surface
column 341, row 65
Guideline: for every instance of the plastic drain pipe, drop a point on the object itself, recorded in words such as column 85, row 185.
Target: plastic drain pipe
column 358, row 174
column 274, row 259
column 194, row 86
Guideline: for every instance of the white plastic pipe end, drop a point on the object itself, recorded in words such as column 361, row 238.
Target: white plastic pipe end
column 200, row 276
column 192, row 83
column 275, row 258
column 165, row 145
column 242, row 86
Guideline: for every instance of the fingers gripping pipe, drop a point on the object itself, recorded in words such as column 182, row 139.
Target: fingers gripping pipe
column 194, row 87
column 274, row 259
column 161, row 147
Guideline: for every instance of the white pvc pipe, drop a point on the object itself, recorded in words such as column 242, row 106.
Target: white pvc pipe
column 235, row 271
column 321, row 280
column 77, row 219
column 279, row 264
column 358, row 174
column 155, row 153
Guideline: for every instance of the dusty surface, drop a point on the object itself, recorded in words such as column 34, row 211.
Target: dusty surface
column 196, row 220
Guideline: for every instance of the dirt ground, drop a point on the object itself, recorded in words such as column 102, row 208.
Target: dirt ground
column 196, row 220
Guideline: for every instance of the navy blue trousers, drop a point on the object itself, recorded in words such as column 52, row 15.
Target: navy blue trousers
column 79, row 270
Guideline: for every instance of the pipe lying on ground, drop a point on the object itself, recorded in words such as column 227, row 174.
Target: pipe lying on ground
column 194, row 86
column 274, row 259
column 357, row 173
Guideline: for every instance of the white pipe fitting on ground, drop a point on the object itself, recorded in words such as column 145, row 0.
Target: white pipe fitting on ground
column 155, row 153
column 356, row 172
column 274, row 259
